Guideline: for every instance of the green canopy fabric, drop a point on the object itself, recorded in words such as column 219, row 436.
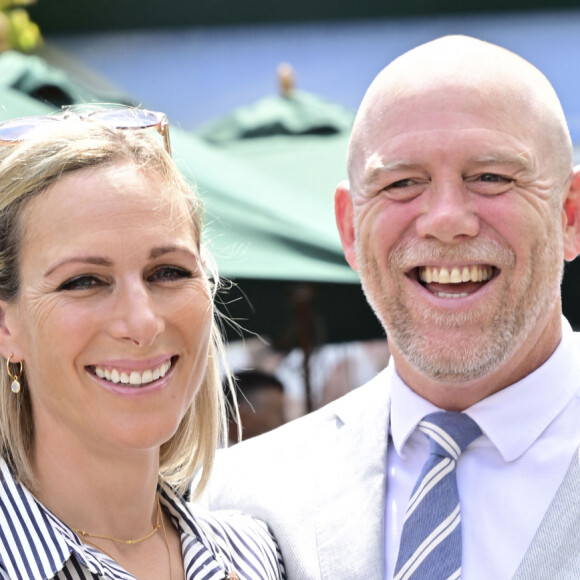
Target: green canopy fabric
column 14, row 104
column 300, row 143
column 299, row 113
column 33, row 76
column 258, row 226
column 300, row 140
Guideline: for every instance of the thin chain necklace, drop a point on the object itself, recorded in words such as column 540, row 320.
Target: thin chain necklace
column 160, row 523
column 156, row 527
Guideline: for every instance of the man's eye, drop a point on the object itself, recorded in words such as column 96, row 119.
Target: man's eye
column 82, row 282
column 493, row 178
column 401, row 183
column 404, row 190
column 169, row 273
column 490, row 183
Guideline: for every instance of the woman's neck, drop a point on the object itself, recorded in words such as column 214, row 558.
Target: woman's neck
column 111, row 493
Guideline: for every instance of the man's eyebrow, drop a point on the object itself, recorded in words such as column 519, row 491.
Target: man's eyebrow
column 519, row 160
column 375, row 169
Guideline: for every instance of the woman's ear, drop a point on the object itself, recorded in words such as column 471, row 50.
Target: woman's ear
column 571, row 218
column 343, row 210
column 8, row 343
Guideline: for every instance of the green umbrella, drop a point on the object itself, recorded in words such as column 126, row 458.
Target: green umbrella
column 300, row 139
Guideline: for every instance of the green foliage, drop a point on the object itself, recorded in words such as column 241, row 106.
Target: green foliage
column 17, row 31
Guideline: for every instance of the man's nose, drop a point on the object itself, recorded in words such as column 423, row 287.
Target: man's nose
column 449, row 214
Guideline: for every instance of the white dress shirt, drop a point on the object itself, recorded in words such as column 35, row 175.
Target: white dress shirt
column 508, row 476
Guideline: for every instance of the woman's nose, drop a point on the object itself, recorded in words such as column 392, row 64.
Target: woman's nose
column 449, row 216
column 136, row 317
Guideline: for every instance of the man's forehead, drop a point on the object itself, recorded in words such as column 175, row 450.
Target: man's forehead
column 432, row 120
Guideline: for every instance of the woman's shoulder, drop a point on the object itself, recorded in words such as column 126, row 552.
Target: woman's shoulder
column 242, row 540
column 233, row 526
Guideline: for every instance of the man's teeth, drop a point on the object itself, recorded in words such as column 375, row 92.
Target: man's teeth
column 455, row 275
column 135, row 377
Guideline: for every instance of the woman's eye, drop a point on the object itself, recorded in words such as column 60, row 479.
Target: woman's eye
column 82, row 282
column 169, row 274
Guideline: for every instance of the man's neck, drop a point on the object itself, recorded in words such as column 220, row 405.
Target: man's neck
column 453, row 394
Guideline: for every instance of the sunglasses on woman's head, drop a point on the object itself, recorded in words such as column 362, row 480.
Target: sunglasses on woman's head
column 16, row 130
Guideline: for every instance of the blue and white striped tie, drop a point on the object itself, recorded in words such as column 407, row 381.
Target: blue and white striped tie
column 430, row 547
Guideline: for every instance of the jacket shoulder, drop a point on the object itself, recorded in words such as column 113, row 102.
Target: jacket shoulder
column 303, row 431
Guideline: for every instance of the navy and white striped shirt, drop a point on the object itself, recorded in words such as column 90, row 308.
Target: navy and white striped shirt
column 36, row 545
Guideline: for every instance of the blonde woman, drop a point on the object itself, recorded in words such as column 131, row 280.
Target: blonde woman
column 110, row 397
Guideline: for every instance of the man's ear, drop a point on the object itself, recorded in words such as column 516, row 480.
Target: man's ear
column 8, row 343
column 571, row 218
column 344, row 213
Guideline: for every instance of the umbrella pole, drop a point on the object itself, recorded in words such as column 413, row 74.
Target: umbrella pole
column 302, row 296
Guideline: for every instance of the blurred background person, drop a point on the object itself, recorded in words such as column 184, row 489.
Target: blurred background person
column 260, row 404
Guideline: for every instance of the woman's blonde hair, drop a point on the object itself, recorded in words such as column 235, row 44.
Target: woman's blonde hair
column 27, row 170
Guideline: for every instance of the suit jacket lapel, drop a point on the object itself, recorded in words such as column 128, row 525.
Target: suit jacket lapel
column 555, row 549
column 351, row 486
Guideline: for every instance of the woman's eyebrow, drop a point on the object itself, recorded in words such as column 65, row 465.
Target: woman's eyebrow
column 156, row 252
column 93, row 260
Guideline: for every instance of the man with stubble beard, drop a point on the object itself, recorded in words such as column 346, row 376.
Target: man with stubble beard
column 461, row 458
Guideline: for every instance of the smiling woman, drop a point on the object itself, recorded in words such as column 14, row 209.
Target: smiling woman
column 108, row 329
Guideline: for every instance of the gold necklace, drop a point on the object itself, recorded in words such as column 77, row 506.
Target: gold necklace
column 157, row 525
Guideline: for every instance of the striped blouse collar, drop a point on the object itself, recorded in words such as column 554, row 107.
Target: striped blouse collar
column 35, row 544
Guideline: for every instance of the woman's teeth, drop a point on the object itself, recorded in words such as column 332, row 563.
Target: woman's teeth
column 134, row 378
column 455, row 275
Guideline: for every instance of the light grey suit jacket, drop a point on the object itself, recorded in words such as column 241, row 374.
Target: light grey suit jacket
column 319, row 483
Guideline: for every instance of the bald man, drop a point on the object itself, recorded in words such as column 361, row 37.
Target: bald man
column 461, row 206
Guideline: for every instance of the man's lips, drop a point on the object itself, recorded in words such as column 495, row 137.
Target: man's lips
column 455, row 274
column 454, row 281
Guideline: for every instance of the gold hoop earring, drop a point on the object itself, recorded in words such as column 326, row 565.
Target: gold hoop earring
column 15, row 386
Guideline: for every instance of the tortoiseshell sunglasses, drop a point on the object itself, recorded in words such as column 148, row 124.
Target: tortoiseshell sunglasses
column 16, row 130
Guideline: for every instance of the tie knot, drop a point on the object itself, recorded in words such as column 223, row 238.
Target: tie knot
column 449, row 432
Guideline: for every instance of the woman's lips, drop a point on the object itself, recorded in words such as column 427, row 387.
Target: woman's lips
column 132, row 378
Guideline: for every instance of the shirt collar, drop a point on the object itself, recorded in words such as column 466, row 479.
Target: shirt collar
column 36, row 545
column 30, row 546
column 531, row 404
column 203, row 560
